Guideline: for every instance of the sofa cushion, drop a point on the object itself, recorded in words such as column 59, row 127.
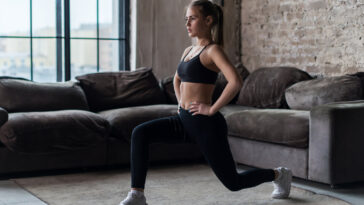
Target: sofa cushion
column 221, row 83
column 308, row 94
column 109, row 90
column 280, row 126
column 166, row 85
column 123, row 120
column 53, row 131
column 17, row 95
column 3, row 116
column 264, row 88
column 231, row 108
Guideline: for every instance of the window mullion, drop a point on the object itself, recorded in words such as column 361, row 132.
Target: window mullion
column 97, row 37
column 31, row 39
column 59, row 39
column 67, row 44
column 123, row 34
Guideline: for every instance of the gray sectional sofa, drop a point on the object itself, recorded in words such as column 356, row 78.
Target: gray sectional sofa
column 49, row 126
column 281, row 117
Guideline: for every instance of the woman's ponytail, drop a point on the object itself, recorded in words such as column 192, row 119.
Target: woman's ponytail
column 217, row 30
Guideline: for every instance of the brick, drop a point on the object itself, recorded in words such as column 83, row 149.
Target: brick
column 304, row 33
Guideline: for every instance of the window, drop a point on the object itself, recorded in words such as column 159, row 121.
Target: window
column 56, row 40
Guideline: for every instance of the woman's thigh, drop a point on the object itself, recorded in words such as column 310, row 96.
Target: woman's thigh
column 166, row 129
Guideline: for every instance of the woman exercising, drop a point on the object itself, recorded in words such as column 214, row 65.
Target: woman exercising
column 198, row 120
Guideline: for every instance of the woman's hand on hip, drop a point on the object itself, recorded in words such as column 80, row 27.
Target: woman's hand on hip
column 197, row 108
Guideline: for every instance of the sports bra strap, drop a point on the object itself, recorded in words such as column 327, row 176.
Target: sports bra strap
column 197, row 54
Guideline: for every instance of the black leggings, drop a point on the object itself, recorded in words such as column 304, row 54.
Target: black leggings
column 208, row 132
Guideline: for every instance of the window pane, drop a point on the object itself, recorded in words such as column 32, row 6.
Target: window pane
column 109, row 55
column 108, row 18
column 15, row 57
column 83, row 18
column 14, row 18
column 83, row 57
column 44, row 17
column 44, row 60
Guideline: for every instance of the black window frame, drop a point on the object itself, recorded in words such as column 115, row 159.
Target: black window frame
column 123, row 38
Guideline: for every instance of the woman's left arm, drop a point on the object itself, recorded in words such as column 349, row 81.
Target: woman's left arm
column 233, row 86
column 229, row 71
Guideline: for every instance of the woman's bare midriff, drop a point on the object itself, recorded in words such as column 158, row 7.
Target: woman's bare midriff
column 195, row 92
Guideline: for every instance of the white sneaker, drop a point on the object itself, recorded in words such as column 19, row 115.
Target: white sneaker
column 282, row 185
column 134, row 199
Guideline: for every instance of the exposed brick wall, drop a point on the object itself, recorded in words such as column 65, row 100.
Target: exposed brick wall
column 322, row 37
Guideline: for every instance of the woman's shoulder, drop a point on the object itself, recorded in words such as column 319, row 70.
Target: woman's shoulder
column 215, row 48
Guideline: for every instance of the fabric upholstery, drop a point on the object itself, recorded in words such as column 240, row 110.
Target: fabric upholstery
column 53, row 131
column 336, row 142
column 221, row 83
column 262, row 124
column 308, row 94
column 109, row 90
column 16, row 162
column 123, row 120
column 166, row 85
column 3, row 116
column 268, row 155
column 264, row 88
column 231, row 109
column 19, row 95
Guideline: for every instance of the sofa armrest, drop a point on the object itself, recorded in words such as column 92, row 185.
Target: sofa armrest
column 3, row 116
column 336, row 142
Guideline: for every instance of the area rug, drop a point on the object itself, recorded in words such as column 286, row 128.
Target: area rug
column 166, row 185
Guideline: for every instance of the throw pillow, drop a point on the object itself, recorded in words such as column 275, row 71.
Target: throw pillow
column 264, row 88
column 308, row 94
column 21, row 95
column 166, row 85
column 221, row 83
column 109, row 90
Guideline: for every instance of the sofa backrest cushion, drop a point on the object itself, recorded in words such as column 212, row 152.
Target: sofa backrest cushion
column 308, row 94
column 166, row 85
column 221, row 83
column 18, row 95
column 109, row 90
column 4, row 116
column 265, row 87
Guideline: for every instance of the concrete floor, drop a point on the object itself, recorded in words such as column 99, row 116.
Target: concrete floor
column 12, row 194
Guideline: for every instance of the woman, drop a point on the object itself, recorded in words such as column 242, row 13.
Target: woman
column 198, row 121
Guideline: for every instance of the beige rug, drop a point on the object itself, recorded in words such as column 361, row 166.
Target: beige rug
column 166, row 185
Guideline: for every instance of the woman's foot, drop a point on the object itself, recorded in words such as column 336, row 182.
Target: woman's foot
column 134, row 198
column 282, row 184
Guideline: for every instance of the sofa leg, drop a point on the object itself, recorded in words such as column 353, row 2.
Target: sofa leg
column 334, row 186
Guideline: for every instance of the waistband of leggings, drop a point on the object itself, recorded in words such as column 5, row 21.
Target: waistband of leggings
column 189, row 113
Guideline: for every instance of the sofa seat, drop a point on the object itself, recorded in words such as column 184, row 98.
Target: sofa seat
column 53, row 131
column 232, row 108
column 262, row 124
column 123, row 120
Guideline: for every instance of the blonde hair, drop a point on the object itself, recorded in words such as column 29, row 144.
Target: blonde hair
column 207, row 8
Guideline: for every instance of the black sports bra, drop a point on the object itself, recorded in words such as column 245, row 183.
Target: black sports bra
column 194, row 71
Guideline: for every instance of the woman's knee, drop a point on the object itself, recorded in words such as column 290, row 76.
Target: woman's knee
column 139, row 133
column 232, row 185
